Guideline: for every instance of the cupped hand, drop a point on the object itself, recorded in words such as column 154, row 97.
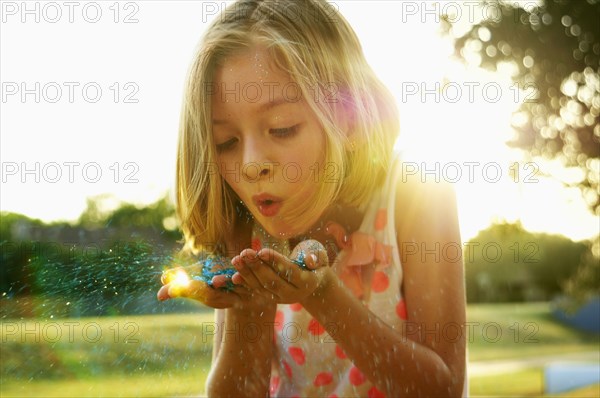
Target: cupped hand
column 273, row 275
column 212, row 296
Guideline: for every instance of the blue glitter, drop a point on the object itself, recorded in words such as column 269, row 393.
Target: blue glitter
column 300, row 260
column 212, row 266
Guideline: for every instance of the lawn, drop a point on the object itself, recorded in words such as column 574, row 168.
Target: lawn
column 525, row 383
column 503, row 331
column 169, row 355
column 149, row 356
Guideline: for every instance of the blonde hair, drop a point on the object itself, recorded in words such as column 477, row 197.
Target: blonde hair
column 316, row 46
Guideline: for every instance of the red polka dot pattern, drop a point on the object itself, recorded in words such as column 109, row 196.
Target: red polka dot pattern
column 328, row 379
column 279, row 318
column 256, row 245
column 375, row 393
column 323, row 379
column 339, row 352
column 315, row 328
column 297, row 355
column 356, row 376
column 287, row 368
column 401, row 310
column 380, row 282
column 380, row 219
column 274, row 385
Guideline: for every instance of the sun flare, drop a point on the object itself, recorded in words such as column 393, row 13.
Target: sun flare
column 176, row 277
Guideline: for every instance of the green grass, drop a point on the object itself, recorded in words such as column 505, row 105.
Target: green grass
column 146, row 385
column 169, row 355
column 586, row 392
column 161, row 355
column 525, row 330
column 525, row 383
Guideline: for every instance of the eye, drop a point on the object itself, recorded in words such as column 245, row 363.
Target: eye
column 227, row 145
column 285, row 131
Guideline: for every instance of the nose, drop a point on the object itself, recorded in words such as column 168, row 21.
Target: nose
column 254, row 171
column 256, row 164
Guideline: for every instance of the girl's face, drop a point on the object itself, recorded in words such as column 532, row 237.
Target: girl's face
column 270, row 145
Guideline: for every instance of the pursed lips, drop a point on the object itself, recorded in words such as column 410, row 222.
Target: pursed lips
column 268, row 205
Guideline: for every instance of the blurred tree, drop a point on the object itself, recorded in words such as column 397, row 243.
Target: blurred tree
column 23, row 240
column 555, row 47
column 159, row 216
column 15, row 254
column 96, row 212
column 585, row 283
column 97, row 283
column 153, row 215
column 508, row 263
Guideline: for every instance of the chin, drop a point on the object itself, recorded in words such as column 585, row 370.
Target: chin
column 278, row 230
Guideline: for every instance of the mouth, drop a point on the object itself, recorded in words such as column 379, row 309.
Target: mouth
column 268, row 205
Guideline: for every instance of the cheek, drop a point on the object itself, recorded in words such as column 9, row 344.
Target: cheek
column 229, row 176
column 228, row 168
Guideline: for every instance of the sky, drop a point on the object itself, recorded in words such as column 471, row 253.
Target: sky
column 91, row 95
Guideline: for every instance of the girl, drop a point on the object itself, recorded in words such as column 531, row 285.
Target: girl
column 286, row 142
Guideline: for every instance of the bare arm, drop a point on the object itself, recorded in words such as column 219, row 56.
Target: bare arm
column 242, row 352
column 408, row 362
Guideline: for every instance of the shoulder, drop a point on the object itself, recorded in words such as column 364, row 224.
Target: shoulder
column 432, row 269
column 423, row 205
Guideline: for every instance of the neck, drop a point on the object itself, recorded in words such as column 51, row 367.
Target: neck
column 348, row 217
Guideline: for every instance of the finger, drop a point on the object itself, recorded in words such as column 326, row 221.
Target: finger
column 311, row 261
column 290, row 271
column 216, row 298
column 176, row 290
column 281, row 273
column 244, row 264
column 163, row 293
column 238, row 279
column 169, row 274
column 259, row 276
column 314, row 254
column 272, row 258
column 219, row 281
column 200, row 291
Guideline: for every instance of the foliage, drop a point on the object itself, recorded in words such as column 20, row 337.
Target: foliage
column 127, row 246
column 158, row 216
column 585, row 283
column 14, row 254
column 506, row 263
column 556, row 50
column 99, row 281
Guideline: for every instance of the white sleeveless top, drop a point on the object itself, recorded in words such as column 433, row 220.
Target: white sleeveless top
column 308, row 362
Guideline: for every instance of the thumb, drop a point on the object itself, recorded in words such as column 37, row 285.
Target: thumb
column 194, row 290
column 315, row 255
column 171, row 290
column 163, row 293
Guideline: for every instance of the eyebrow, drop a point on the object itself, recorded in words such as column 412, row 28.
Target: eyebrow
column 263, row 108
